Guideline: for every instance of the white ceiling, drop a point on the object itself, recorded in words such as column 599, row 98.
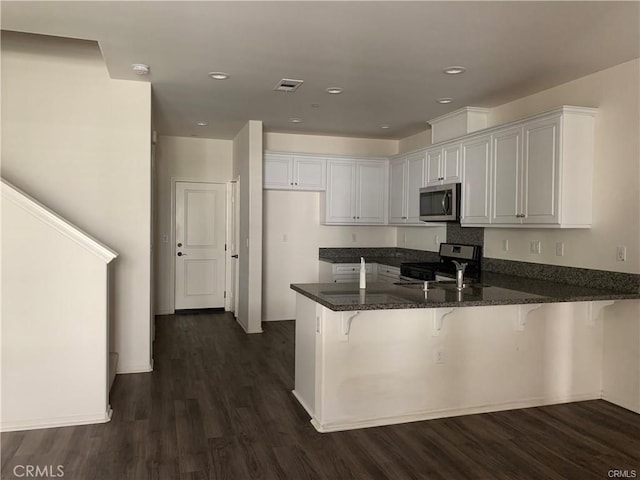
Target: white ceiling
column 387, row 56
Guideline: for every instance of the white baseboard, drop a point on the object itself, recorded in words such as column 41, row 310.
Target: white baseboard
column 621, row 402
column 303, row 403
column 444, row 413
column 124, row 369
column 35, row 424
column 165, row 312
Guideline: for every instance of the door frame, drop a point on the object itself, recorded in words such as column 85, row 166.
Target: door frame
column 231, row 234
column 173, row 251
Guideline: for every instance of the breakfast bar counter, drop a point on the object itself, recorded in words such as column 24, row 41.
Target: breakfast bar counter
column 394, row 353
column 491, row 289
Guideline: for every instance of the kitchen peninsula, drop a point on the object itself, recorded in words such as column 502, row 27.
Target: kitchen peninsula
column 394, row 353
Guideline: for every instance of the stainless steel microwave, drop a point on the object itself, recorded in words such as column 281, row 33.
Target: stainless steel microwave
column 440, row 203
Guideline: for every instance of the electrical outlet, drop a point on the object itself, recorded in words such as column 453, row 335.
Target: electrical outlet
column 621, row 253
column 439, row 357
column 404, row 238
column 354, row 238
column 505, row 245
column 560, row 249
column 535, row 247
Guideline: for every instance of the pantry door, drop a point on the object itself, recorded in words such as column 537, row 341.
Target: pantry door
column 200, row 245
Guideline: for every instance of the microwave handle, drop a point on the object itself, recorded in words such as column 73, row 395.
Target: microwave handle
column 445, row 203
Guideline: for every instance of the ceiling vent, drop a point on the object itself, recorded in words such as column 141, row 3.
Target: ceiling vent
column 288, row 85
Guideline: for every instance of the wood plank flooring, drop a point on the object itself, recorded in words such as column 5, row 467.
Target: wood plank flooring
column 219, row 406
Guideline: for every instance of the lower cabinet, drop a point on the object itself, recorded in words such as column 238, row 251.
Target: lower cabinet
column 388, row 274
column 350, row 273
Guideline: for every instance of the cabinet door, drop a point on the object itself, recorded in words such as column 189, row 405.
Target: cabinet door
column 450, row 171
column 476, row 170
column 278, row 172
column 415, row 175
column 541, row 171
column 309, row 173
column 371, row 191
column 507, row 176
column 432, row 170
column 397, row 190
column 341, row 195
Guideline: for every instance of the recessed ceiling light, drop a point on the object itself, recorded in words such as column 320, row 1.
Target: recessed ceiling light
column 202, row 124
column 445, row 100
column 385, row 126
column 457, row 70
column 295, row 120
column 218, row 75
column 334, row 90
column 140, row 68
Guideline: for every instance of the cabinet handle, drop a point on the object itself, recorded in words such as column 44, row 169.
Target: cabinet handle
column 296, row 183
column 404, row 218
column 291, row 183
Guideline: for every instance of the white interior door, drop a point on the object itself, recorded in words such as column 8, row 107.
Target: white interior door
column 200, row 245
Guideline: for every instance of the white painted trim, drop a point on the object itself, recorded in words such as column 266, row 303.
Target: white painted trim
column 57, row 422
column 302, row 402
column 42, row 213
column 322, row 155
column 166, row 312
column 457, row 112
column 125, row 369
column 450, row 412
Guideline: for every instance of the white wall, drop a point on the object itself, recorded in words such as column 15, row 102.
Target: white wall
column 422, row 237
column 79, row 143
column 616, row 189
column 292, row 237
column 415, row 142
column 247, row 168
column 54, row 324
column 295, row 215
column 181, row 159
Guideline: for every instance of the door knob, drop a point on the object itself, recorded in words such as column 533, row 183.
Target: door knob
column 179, row 245
column 234, row 256
column 180, row 254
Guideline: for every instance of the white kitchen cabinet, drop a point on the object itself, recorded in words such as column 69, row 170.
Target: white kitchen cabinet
column 543, row 170
column 294, row 172
column 346, row 272
column 356, row 192
column 405, row 180
column 443, row 165
column 476, row 180
column 507, row 176
column 388, row 274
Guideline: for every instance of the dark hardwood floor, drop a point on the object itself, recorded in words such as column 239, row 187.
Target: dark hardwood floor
column 219, row 406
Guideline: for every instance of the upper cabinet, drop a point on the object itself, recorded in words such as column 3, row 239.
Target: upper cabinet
column 443, row 165
column 543, row 170
column 405, row 180
column 356, row 192
column 294, row 172
column 476, row 183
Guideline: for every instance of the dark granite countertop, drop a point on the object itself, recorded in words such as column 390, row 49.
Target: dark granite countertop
column 495, row 289
column 391, row 256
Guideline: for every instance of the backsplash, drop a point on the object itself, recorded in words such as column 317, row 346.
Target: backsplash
column 466, row 235
column 584, row 277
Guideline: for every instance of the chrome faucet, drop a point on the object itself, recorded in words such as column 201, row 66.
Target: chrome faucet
column 460, row 268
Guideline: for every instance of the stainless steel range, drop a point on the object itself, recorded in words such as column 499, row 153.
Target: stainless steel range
column 469, row 254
